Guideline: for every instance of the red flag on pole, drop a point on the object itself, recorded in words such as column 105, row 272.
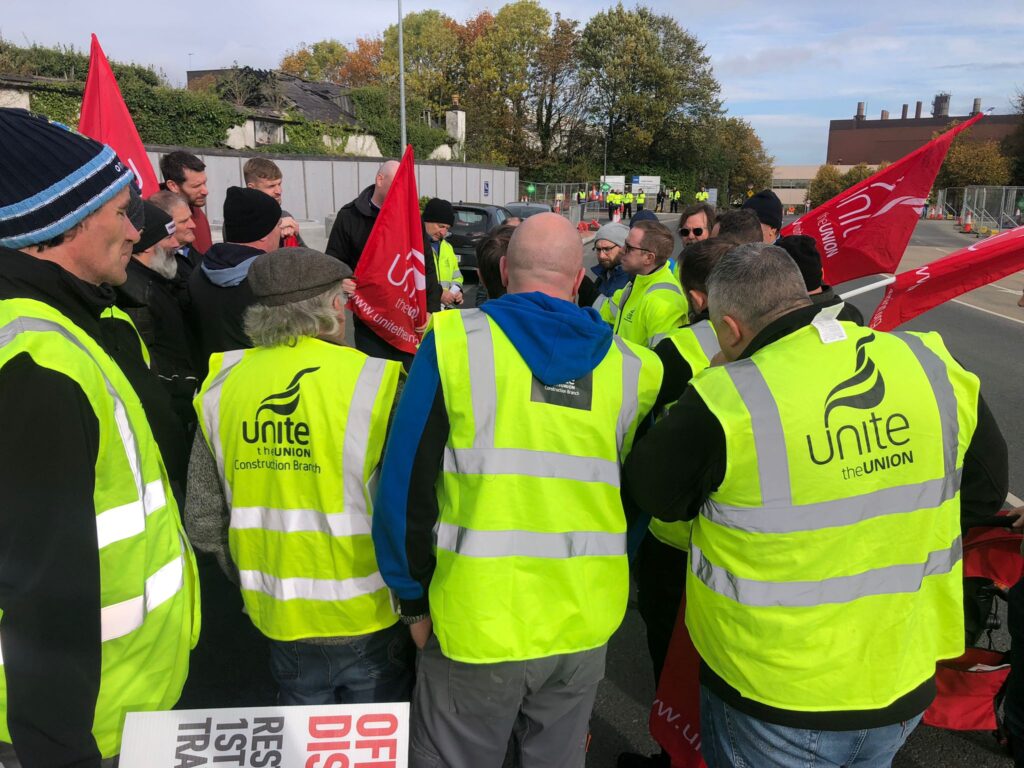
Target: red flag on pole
column 675, row 715
column 106, row 119
column 922, row 289
column 391, row 293
column 865, row 229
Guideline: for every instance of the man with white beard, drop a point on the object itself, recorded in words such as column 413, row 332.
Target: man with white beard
column 153, row 298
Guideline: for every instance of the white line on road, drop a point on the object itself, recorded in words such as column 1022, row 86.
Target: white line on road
column 1014, row 500
column 1007, row 290
column 989, row 311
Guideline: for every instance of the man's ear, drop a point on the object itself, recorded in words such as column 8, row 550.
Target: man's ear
column 503, row 269
column 698, row 300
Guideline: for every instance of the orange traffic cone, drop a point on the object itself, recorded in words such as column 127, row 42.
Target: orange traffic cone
column 968, row 223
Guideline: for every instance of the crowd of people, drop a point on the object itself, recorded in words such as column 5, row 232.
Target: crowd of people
column 186, row 431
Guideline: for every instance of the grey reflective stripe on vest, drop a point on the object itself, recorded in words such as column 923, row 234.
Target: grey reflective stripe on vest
column 471, row 542
column 778, row 514
column 445, row 284
column 485, row 458
column 300, row 520
column 657, row 339
column 211, row 412
column 600, row 301
column 938, row 376
column 630, row 391
column 518, row 461
column 890, row 580
column 838, row 512
column 664, row 287
column 330, row 590
column 706, row 338
column 357, row 433
column 766, row 426
column 125, row 521
column 623, row 298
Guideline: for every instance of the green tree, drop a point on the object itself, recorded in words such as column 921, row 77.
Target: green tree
column 321, row 61
column 1013, row 145
column 432, row 65
column 650, row 76
column 826, row 184
column 973, row 162
column 857, row 174
column 559, row 96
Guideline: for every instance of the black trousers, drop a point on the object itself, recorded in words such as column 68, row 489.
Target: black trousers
column 373, row 345
column 660, row 586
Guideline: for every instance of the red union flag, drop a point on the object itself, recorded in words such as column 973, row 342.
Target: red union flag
column 917, row 291
column 106, row 119
column 865, row 229
column 391, row 293
column 675, row 715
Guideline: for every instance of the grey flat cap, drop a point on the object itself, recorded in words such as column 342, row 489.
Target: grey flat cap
column 288, row 275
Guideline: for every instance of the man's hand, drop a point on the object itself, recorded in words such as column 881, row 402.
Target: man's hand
column 421, row 632
column 459, row 298
column 289, row 226
column 448, row 298
column 348, row 285
column 1019, row 514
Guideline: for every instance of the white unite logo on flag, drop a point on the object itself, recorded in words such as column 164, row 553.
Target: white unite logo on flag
column 851, row 220
column 413, row 278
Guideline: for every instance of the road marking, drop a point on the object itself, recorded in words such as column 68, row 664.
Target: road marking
column 1007, row 290
column 988, row 311
column 1014, row 500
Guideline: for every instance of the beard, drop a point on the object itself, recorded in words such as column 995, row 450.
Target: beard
column 164, row 263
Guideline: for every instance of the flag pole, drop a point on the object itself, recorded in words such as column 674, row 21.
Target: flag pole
column 887, row 280
column 401, row 78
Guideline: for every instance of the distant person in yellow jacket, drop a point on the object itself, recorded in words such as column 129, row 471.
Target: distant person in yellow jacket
column 438, row 218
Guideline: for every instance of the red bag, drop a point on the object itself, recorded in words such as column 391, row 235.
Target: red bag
column 968, row 690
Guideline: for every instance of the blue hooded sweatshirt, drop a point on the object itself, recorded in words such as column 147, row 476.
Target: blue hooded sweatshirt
column 558, row 340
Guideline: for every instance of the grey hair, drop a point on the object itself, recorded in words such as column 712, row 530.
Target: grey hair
column 286, row 324
column 755, row 283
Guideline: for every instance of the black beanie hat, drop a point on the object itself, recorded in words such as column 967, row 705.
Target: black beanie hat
column 767, row 206
column 804, row 251
column 438, row 211
column 51, row 178
column 249, row 215
column 158, row 225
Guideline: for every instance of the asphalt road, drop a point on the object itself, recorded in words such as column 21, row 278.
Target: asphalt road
column 985, row 331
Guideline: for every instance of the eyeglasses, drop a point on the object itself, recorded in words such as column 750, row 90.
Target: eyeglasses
column 697, row 231
column 637, row 248
column 605, row 248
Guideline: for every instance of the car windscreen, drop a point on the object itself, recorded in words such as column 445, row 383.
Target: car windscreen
column 468, row 222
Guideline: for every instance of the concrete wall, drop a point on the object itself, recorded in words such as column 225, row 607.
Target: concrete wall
column 316, row 186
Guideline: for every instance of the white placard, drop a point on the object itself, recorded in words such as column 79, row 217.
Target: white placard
column 350, row 735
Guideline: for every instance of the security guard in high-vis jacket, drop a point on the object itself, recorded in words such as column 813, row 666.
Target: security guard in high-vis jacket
column 291, row 435
column 499, row 521
column 438, row 219
column 652, row 303
column 627, row 200
column 98, row 596
column 845, row 458
column 641, row 200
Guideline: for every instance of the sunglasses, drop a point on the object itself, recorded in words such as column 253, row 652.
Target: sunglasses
column 697, row 231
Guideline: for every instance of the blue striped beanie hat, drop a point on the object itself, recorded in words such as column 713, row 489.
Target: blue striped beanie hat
column 51, row 178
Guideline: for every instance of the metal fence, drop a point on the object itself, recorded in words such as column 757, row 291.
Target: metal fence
column 992, row 208
column 561, row 196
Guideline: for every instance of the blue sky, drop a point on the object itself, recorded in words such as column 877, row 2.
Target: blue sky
column 787, row 67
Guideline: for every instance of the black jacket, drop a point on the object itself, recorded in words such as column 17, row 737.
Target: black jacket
column 352, row 229
column 49, row 564
column 217, row 309
column 158, row 305
column 670, row 474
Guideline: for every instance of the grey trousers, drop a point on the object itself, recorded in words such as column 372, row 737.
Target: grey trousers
column 463, row 714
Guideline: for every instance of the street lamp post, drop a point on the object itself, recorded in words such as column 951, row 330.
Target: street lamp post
column 401, row 77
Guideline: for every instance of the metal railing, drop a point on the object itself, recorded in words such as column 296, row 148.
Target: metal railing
column 992, row 208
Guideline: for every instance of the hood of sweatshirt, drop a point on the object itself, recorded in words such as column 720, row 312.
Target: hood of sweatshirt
column 227, row 264
column 558, row 340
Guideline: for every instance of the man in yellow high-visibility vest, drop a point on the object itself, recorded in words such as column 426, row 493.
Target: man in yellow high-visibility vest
column 848, row 460
column 499, row 522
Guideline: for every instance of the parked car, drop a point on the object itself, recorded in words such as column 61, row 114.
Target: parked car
column 526, row 210
column 472, row 223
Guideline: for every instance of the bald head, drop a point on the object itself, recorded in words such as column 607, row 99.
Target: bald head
column 545, row 255
column 382, row 183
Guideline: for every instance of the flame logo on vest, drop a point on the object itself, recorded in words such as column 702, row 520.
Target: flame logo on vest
column 275, row 432
column 865, row 370
column 857, row 438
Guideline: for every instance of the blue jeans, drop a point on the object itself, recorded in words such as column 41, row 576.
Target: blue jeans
column 730, row 739
column 372, row 669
